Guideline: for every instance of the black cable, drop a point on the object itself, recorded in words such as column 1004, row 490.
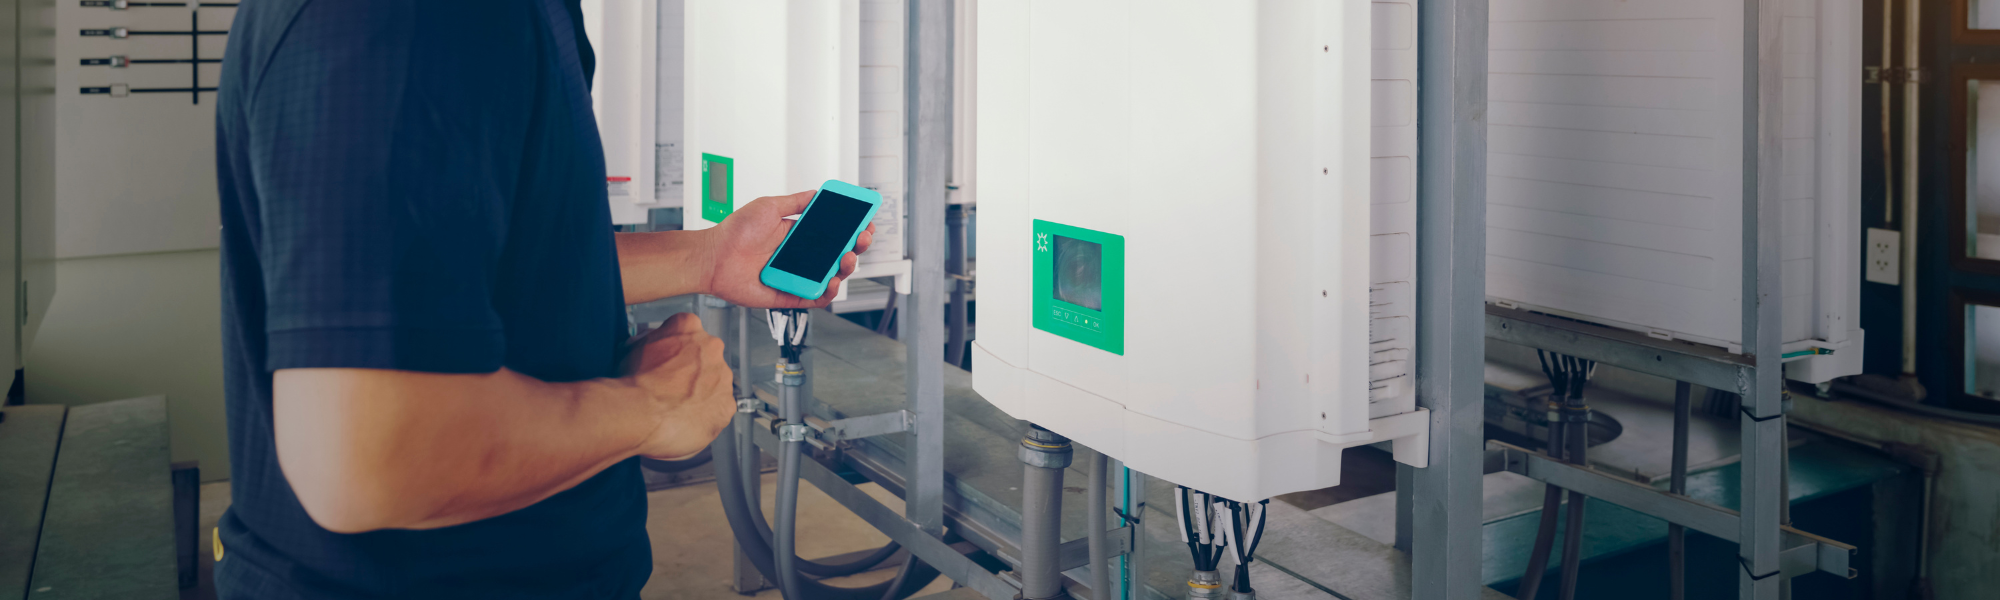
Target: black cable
column 1248, row 535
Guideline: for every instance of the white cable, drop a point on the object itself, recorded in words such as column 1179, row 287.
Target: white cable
column 1180, row 510
column 1229, row 530
column 1199, row 502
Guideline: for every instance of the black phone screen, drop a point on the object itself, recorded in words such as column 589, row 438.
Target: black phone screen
column 820, row 237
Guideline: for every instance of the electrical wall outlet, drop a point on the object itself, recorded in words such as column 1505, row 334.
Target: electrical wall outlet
column 1884, row 258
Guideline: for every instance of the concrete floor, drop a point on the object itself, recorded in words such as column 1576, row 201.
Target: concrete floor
column 687, row 527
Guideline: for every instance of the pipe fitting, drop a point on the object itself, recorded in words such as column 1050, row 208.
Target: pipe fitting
column 791, row 373
column 1044, row 449
column 1236, row 595
column 1205, row 585
column 749, row 406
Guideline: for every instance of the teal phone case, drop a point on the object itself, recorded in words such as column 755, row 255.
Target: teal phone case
column 813, row 289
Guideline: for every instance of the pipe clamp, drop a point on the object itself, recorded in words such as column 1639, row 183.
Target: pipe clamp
column 793, row 432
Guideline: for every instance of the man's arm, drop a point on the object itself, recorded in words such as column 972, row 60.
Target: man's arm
column 663, row 264
column 368, row 449
column 725, row 260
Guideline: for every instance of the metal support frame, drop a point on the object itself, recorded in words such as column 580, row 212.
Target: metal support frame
column 929, row 88
column 1438, row 520
column 1802, row 552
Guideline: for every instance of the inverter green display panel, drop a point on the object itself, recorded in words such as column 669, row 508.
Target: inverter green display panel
column 1080, row 285
column 718, row 187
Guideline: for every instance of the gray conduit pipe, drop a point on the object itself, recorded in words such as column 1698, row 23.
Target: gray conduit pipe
column 792, row 436
column 734, row 504
column 1044, row 455
column 1579, row 440
column 1545, row 531
column 750, row 462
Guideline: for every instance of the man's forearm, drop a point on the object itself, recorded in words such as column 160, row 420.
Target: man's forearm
column 662, row 264
column 370, row 449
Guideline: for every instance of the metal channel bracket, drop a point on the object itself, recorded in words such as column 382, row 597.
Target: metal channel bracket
column 1801, row 552
column 854, row 428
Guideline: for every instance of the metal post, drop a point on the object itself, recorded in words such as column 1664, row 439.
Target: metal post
column 1043, row 455
column 1100, row 569
column 929, row 109
column 1135, row 562
column 1763, row 416
column 1438, row 511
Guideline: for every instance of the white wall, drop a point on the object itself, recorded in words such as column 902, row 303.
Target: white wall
column 138, row 325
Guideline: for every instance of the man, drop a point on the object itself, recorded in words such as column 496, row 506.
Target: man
column 430, row 392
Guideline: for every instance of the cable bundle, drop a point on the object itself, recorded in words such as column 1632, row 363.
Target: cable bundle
column 1567, row 374
column 1569, row 437
column 788, row 327
column 1211, row 524
column 1201, row 526
column 1246, row 529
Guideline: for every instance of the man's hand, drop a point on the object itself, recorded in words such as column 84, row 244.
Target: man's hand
column 742, row 243
column 681, row 367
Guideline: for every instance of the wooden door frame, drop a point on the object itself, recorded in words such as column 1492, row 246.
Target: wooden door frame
column 1957, row 142
column 1962, row 299
column 1962, row 31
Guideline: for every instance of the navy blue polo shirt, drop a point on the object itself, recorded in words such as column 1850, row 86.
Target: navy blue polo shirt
column 416, row 186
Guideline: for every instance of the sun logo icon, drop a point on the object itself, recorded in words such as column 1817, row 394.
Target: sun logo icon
column 1041, row 242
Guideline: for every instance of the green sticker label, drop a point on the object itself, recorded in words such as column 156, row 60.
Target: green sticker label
column 1080, row 285
column 718, row 187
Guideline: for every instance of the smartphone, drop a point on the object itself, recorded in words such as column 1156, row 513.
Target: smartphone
column 810, row 255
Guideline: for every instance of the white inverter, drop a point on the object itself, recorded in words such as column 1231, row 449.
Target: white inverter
column 1197, row 225
column 1615, row 170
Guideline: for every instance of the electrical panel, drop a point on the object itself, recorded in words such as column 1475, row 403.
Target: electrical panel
column 1615, row 170
column 1198, row 233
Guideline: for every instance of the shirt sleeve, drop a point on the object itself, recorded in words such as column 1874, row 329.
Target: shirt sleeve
column 387, row 140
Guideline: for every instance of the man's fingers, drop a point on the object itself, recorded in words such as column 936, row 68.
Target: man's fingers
column 793, row 204
column 866, row 240
column 832, row 289
column 682, row 323
column 847, row 264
